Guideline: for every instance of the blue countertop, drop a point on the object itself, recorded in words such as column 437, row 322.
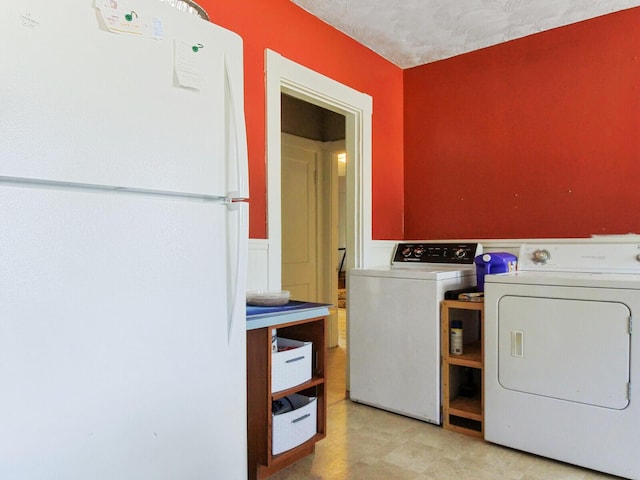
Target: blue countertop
column 260, row 317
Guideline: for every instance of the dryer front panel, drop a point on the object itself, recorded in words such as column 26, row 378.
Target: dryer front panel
column 566, row 349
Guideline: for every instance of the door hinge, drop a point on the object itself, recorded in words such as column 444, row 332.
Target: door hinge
column 630, row 324
column 629, row 391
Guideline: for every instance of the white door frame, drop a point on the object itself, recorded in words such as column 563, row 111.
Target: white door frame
column 286, row 76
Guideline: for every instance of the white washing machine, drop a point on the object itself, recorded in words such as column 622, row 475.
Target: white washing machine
column 394, row 326
column 560, row 357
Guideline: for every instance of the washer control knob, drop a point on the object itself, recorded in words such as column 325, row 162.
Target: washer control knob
column 541, row 256
column 460, row 253
column 638, row 257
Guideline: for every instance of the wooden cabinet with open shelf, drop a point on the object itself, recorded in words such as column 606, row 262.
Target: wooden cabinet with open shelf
column 462, row 376
column 261, row 462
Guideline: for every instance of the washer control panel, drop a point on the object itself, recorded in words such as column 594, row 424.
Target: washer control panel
column 420, row 253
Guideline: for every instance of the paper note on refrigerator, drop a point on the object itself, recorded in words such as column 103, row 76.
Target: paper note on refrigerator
column 188, row 64
column 118, row 16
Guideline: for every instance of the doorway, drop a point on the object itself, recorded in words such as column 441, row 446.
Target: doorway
column 310, row 226
column 285, row 76
column 312, row 170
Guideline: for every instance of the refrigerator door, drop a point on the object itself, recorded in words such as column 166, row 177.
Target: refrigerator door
column 122, row 340
column 83, row 102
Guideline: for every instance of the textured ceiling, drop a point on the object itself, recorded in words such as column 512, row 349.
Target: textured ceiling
column 414, row 32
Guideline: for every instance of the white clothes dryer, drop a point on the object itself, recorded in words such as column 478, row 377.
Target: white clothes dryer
column 394, row 326
column 560, row 357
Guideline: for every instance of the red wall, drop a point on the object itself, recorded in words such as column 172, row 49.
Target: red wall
column 281, row 26
column 538, row 137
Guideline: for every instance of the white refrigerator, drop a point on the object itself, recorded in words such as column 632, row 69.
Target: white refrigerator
column 123, row 243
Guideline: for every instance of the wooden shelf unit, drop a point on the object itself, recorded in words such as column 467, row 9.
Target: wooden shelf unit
column 262, row 464
column 464, row 414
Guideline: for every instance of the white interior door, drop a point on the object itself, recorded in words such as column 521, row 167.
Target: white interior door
column 299, row 218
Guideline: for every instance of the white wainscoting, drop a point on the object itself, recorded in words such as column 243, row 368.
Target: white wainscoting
column 378, row 252
column 258, row 265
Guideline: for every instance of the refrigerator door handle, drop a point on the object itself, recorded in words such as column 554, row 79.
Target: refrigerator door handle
column 236, row 142
column 237, row 246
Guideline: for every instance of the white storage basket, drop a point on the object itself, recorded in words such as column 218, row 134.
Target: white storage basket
column 295, row 427
column 290, row 367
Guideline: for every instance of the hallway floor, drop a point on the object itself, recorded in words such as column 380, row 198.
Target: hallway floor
column 365, row 443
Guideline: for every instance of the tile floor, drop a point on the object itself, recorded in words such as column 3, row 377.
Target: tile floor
column 365, row 443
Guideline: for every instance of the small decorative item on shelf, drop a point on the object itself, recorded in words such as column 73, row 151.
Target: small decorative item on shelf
column 456, row 338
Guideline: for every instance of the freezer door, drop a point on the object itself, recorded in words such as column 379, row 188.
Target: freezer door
column 122, row 337
column 136, row 109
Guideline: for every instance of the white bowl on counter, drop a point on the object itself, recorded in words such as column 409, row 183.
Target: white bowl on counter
column 267, row 298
